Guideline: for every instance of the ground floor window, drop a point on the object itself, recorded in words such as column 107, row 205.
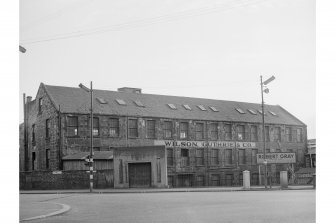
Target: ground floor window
column 200, row 181
column 215, row 178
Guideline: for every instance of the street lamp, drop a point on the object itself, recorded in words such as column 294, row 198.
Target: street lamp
column 91, row 141
column 266, row 90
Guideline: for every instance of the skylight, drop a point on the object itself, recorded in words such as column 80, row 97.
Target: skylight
column 240, row 110
column 213, row 108
column 272, row 113
column 120, row 102
column 187, row 107
column 202, row 108
column 252, row 111
column 101, row 101
column 172, row 106
column 139, row 104
column 260, row 112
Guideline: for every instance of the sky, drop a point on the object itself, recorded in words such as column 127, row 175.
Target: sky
column 208, row 49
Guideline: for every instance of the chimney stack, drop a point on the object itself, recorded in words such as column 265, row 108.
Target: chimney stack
column 29, row 99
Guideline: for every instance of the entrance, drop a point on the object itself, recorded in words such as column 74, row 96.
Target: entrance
column 139, row 174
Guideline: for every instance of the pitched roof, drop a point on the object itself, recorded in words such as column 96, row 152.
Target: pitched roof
column 76, row 100
column 98, row 155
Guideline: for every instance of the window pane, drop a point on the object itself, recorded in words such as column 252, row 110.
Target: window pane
column 132, row 128
column 254, row 133
column 113, row 127
column 228, row 156
column 200, row 157
column 183, row 130
column 241, row 156
column 151, row 128
column 213, row 131
column 199, row 131
column 215, row 156
column 169, row 157
column 240, row 132
column 167, row 129
column 228, row 135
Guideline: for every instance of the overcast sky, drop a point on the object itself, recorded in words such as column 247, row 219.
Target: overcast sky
column 209, row 49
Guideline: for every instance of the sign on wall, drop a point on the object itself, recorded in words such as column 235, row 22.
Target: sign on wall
column 276, row 158
column 210, row 144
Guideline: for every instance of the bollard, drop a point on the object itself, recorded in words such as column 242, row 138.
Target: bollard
column 246, row 180
column 283, row 179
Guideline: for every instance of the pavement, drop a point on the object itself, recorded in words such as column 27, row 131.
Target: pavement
column 33, row 210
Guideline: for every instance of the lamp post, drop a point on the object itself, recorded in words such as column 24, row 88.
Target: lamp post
column 266, row 90
column 91, row 135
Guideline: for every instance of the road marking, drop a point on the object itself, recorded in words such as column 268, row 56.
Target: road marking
column 65, row 208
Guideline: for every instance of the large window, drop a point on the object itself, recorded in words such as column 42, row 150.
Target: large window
column 183, row 130
column 151, row 133
column 228, row 132
column 228, row 156
column 288, row 134
column 132, row 128
column 240, row 132
column 199, row 131
column 33, row 138
column 96, row 128
column 299, row 135
column 199, row 157
column 169, row 157
column 254, row 156
column 254, row 133
column 185, row 157
column 215, row 157
column 47, row 128
column 113, row 127
column 241, row 156
column 72, row 126
column 213, row 131
column 277, row 134
column 168, row 129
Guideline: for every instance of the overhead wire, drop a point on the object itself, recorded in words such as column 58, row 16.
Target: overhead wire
column 142, row 22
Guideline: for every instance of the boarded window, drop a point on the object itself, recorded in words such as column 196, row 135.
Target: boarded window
column 215, row 156
column 277, row 135
column 254, row 156
column 72, row 125
column 228, row 156
column 183, row 130
column 47, row 128
column 168, row 129
column 199, row 157
column 169, row 157
column 254, row 133
column 241, row 156
column 228, row 132
column 213, row 131
column 288, row 134
column 151, row 133
column 199, row 131
column 132, row 128
column 113, row 124
column 240, row 132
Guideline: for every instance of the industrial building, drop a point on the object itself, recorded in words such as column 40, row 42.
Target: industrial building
column 146, row 140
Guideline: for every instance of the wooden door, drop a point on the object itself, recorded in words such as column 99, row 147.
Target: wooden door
column 139, row 174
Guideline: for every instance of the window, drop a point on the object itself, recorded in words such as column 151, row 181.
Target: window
column 95, row 126
column 200, row 181
column 254, row 156
column 168, row 129
column 215, row 156
column 215, row 179
column 47, row 128
column 187, row 107
column 241, row 156
column 228, row 132
column 172, row 106
column 151, row 133
column 113, row 125
column 202, row 108
column 169, row 157
column 213, row 108
column 267, row 134
column 132, row 128
column 33, row 139
column 213, row 131
column 277, row 135
column 240, row 110
column 33, row 160
column 199, row 153
column 228, row 156
column 40, row 103
column 183, row 130
column 240, row 132
column 47, row 158
column 252, row 111
column 288, row 134
column 139, row 103
column 272, row 113
column 199, row 131
column 254, row 133
column 72, row 126
column 184, row 157
column 299, row 135
column 120, row 102
column 101, row 101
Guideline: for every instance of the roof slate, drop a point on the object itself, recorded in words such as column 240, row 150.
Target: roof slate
column 75, row 100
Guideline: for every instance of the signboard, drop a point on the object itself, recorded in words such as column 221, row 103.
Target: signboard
column 276, row 158
column 200, row 144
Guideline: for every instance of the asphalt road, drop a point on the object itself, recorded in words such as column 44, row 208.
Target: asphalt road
column 241, row 206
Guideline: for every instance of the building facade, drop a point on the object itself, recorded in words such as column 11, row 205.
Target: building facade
column 207, row 142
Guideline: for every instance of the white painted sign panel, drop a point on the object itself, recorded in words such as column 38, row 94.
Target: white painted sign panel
column 210, row 144
column 276, row 158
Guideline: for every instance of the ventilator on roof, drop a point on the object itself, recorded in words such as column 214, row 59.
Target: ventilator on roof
column 202, row 108
column 172, row 106
column 240, row 110
column 120, row 102
column 187, row 107
column 213, row 108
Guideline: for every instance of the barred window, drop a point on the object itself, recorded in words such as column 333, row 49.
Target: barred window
column 240, row 132
column 277, row 135
column 288, row 134
column 151, row 134
column 228, row 156
column 183, row 130
column 113, row 125
column 213, row 131
column 168, row 129
column 254, row 133
column 72, row 126
column 215, row 156
column 228, row 132
column 47, row 128
column 199, row 157
column 169, row 157
column 199, row 131
column 241, row 156
column 132, row 128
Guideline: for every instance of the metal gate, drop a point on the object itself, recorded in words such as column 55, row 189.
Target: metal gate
column 139, row 174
